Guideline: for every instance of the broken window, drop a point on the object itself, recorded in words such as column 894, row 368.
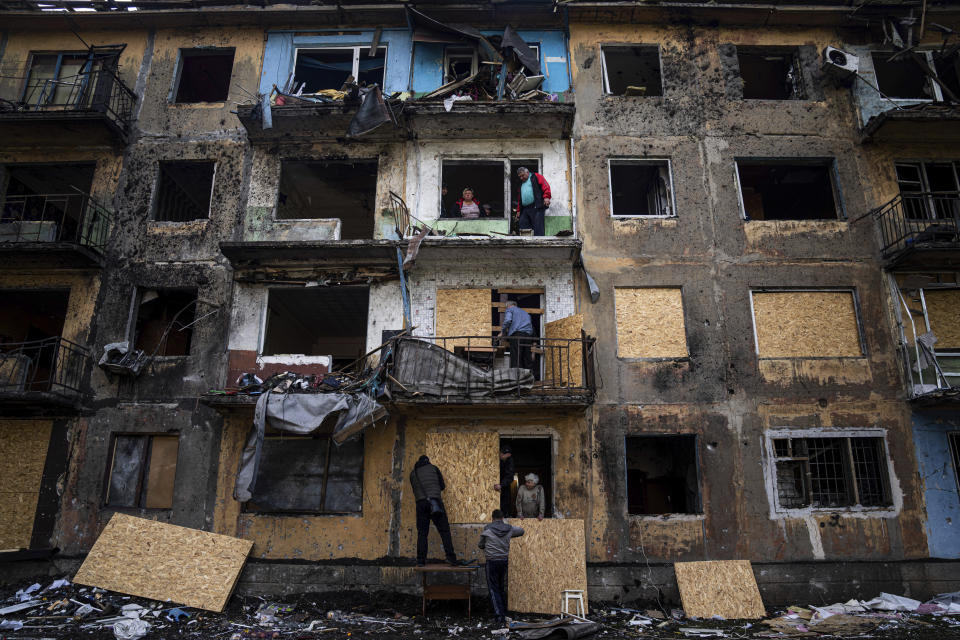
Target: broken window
column 640, row 188
column 831, row 472
column 632, row 70
column 143, row 469
column 330, row 189
column 662, row 475
column 331, row 68
column 930, row 190
column 459, row 63
column 930, row 303
column 184, row 190
column 319, row 321
column 806, row 324
column 43, row 202
column 770, row 73
column 31, row 325
column 204, row 75
column 308, row 475
column 782, row 190
column 164, row 325
column 898, row 76
column 492, row 180
column 59, row 78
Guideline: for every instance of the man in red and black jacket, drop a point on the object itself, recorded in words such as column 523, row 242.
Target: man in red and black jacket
column 533, row 198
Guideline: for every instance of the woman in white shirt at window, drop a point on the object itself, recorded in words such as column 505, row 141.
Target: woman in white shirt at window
column 468, row 207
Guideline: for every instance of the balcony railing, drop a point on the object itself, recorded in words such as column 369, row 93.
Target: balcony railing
column 95, row 91
column 919, row 220
column 73, row 218
column 477, row 367
column 53, row 365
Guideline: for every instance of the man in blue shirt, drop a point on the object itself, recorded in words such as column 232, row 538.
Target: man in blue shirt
column 518, row 329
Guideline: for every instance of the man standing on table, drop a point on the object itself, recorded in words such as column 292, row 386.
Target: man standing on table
column 428, row 485
column 495, row 542
column 532, row 201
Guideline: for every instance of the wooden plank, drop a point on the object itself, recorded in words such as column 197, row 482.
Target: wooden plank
column 725, row 588
column 798, row 324
column 530, row 310
column 563, row 360
column 470, row 464
column 522, row 291
column 650, row 323
column 463, row 312
column 165, row 562
column 551, row 556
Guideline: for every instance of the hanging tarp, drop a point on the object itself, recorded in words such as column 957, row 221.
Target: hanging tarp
column 526, row 55
column 372, row 113
column 426, row 29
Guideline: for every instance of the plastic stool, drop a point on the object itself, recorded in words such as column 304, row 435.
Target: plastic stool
column 574, row 595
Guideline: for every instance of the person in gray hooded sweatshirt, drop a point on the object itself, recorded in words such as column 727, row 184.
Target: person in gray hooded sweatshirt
column 495, row 542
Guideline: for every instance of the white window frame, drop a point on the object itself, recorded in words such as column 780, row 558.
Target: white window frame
column 672, row 201
column 507, row 172
column 829, row 163
column 356, row 57
column 926, row 324
column 614, row 45
column 458, row 51
column 935, row 86
column 770, row 472
column 856, row 310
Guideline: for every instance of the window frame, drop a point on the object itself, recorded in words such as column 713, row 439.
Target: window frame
column 697, row 460
column 356, row 57
column 856, row 310
column 474, row 61
column 794, row 53
column 929, row 205
column 507, row 173
column 175, row 89
column 155, row 197
column 87, row 65
column 143, row 471
column 603, row 66
column 930, row 83
column 926, row 324
column 651, row 161
column 134, row 318
column 786, row 433
column 829, row 162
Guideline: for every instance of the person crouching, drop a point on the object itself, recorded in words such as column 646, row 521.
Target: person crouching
column 495, row 542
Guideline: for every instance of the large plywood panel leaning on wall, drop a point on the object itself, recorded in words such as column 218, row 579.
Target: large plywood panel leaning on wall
column 165, row 562
column 650, row 323
column 550, row 557
column 563, row 360
column 806, row 324
column 725, row 588
column 470, row 464
column 464, row 312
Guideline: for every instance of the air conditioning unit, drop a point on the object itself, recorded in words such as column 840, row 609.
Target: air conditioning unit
column 840, row 63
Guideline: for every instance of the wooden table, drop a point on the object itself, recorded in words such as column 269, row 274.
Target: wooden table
column 445, row 591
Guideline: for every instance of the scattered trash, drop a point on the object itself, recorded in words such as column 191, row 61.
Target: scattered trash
column 131, row 629
column 10, row 625
column 704, row 633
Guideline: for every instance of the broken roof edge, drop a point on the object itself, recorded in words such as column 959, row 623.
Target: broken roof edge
column 938, row 113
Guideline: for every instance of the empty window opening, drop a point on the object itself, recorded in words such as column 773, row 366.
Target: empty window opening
column 640, row 188
column 320, row 321
column 51, row 196
column 632, row 70
column 770, row 74
column 308, row 475
column 531, row 301
column 459, row 63
column 30, row 324
column 531, row 455
column 492, row 181
column 930, row 190
column 345, row 190
column 948, row 71
column 781, row 191
column 164, row 324
column 831, row 472
column 318, row 69
column 900, row 77
column 662, row 475
column 143, row 469
column 204, row 75
column 184, row 190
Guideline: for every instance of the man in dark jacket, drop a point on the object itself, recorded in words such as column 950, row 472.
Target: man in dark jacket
column 506, row 479
column 427, row 482
column 495, row 542
column 533, row 198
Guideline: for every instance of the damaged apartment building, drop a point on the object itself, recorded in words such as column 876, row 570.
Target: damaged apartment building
column 245, row 288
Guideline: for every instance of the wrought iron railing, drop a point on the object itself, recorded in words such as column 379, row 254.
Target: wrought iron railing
column 98, row 91
column 55, row 217
column 53, row 365
column 484, row 366
column 919, row 219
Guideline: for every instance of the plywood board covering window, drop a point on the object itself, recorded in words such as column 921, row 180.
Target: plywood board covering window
column 463, row 312
column 23, row 454
column 470, row 466
column 806, row 324
column 943, row 311
column 650, row 323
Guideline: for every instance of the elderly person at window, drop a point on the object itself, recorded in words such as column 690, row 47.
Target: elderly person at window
column 467, row 206
column 530, row 500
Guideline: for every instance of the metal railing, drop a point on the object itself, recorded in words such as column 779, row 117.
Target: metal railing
column 53, row 365
column 919, row 219
column 96, row 91
column 55, row 217
column 484, row 366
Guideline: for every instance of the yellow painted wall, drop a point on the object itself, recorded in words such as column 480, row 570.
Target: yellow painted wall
column 23, row 453
column 106, row 175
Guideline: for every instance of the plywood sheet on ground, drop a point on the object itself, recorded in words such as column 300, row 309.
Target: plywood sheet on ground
column 23, row 454
column 551, row 556
column 725, row 588
column 806, row 324
column 464, row 312
column 563, row 360
column 470, row 464
column 943, row 309
column 165, row 562
column 650, row 323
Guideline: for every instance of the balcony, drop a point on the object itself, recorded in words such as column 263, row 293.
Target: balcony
column 42, row 377
column 91, row 109
column 925, row 122
column 921, row 230
column 475, row 370
column 63, row 230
